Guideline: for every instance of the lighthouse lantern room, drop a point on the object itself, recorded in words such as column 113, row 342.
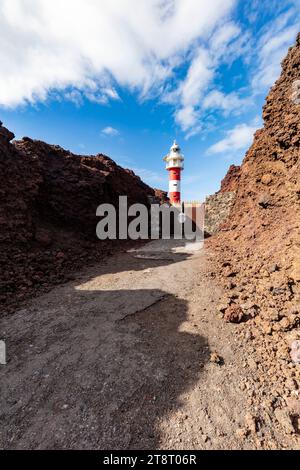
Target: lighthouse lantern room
column 174, row 164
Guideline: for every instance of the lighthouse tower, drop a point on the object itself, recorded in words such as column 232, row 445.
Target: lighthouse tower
column 174, row 164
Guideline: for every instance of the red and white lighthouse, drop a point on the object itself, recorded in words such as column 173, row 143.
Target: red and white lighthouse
column 174, row 164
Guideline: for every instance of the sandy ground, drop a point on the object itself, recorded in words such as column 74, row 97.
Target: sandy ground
column 120, row 359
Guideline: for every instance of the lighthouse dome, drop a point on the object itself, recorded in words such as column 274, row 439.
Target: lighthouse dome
column 175, row 152
column 175, row 147
column 174, row 158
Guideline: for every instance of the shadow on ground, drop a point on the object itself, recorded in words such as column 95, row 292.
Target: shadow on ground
column 92, row 369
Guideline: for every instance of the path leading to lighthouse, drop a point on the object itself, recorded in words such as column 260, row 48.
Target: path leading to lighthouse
column 120, row 358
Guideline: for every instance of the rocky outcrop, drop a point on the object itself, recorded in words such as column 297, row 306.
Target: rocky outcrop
column 48, row 201
column 230, row 183
column 161, row 196
column 258, row 248
column 218, row 206
column 217, row 210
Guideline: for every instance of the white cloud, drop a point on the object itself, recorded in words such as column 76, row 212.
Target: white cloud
column 273, row 46
column 75, row 96
column 201, row 73
column 150, row 177
column 83, row 43
column 223, row 37
column 186, row 117
column 89, row 48
column 110, row 131
column 190, row 91
column 238, row 138
column 218, row 100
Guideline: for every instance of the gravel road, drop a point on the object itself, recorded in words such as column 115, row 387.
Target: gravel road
column 120, row 358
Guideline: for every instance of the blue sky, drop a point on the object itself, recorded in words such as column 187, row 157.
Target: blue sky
column 99, row 76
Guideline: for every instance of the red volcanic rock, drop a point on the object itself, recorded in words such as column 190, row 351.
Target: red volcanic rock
column 295, row 352
column 5, row 135
column 218, row 206
column 262, row 236
column 231, row 180
column 162, row 196
column 43, row 237
column 48, row 202
column 263, row 228
column 233, row 314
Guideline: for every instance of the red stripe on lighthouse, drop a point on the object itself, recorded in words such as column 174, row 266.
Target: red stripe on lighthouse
column 174, row 174
column 175, row 198
column 174, row 185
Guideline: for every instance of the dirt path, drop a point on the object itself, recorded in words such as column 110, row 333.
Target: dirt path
column 120, row 359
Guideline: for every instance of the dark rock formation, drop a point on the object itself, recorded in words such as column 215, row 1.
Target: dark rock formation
column 48, row 201
column 161, row 196
column 263, row 229
column 260, row 241
column 217, row 210
column 230, row 182
column 218, row 206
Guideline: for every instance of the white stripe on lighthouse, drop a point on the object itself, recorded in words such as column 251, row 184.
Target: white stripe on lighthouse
column 174, row 186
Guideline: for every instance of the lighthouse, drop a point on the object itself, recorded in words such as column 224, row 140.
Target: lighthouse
column 174, row 164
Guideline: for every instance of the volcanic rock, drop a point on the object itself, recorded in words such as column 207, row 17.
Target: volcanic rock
column 230, row 183
column 263, row 228
column 234, row 314
column 260, row 239
column 48, row 202
column 295, row 352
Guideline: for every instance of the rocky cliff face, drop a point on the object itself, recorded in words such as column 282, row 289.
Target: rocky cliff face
column 263, row 228
column 48, row 207
column 230, row 183
column 218, row 206
column 259, row 247
column 217, row 210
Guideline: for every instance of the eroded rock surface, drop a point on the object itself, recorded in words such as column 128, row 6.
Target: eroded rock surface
column 48, row 217
column 258, row 249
